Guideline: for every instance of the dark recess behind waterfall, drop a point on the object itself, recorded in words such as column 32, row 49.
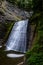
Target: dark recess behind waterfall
column 28, row 35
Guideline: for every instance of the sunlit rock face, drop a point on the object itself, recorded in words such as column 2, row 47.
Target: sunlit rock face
column 18, row 39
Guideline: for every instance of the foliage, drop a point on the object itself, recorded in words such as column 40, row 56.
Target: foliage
column 9, row 26
column 12, row 1
column 37, row 5
column 5, row 29
column 23, row 4
column 35, row 55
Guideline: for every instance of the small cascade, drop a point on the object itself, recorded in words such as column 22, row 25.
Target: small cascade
column 18, row 39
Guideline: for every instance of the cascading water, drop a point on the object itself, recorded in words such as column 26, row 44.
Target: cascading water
column 18, row 39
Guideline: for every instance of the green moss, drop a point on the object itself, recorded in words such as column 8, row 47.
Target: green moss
column 5, row 29
column 23, row 4
column 9, row 27
column 35, row 55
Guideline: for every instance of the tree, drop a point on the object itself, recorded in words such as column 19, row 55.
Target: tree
column 37, row 5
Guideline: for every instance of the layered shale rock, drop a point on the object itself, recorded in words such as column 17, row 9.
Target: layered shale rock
column 12, row 12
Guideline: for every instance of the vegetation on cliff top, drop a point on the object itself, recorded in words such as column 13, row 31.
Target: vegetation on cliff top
column 22, row 4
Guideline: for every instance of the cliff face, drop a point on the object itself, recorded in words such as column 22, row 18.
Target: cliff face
column 35, row 54
column 30, row 34
column 10, row 14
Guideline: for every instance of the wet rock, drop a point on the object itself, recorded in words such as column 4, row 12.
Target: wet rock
column 22, row 63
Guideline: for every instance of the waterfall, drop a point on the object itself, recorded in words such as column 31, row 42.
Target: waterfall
column 17, row 39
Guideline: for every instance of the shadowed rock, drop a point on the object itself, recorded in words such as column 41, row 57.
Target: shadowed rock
column 13, row 13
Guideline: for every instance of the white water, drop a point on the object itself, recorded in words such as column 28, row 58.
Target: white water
column 17, row 38
column 0, row 46
column 11, row 55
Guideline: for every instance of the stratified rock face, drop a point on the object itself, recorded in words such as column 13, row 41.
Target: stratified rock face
column 11, row 12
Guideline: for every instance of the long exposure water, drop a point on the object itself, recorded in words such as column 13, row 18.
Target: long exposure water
column 13, row 52
column 17, row 39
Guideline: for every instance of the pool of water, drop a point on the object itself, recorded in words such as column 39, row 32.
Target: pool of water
column 0, row 46
column 10, row 57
